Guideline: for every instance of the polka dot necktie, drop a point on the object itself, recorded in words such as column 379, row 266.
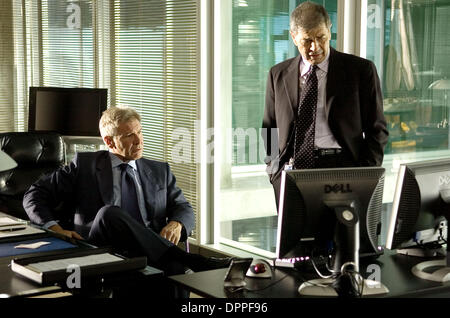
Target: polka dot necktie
column 129, row 194
column 306, row 123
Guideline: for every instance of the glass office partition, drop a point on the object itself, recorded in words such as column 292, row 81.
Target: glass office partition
column 409, row 43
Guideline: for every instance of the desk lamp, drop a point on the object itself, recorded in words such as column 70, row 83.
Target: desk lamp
column 6, row 162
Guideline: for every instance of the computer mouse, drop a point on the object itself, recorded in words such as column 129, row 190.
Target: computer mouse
column 259, row 268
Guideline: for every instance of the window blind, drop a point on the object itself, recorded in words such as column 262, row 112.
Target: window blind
column 44, row 43
column 182, row 87
column 17, row 61
column 6, row 66
column 156, row 62
column 67, row 43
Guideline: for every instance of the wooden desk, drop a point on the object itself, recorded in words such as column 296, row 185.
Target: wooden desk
column 395, row 274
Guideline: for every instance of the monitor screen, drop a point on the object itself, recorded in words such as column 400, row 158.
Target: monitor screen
column 307, row 220
column 68, row 111
column 418, row 209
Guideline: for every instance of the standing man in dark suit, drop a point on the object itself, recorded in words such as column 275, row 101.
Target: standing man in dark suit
column 121, row 199
column 324, row 108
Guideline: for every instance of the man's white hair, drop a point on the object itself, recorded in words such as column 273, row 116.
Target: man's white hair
column 113, row 117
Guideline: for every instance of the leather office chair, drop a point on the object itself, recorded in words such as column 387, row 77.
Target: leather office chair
column 36, row 154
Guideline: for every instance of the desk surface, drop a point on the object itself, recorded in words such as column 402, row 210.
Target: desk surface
column 395, row 274
column 12, row 284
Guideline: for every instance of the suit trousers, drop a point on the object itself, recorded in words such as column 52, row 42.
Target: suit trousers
column 114, row 227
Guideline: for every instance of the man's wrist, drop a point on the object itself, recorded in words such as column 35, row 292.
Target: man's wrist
column 178, row 223
column 49, row 224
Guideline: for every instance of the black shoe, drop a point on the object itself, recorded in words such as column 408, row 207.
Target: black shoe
column 200, row 263
column 196, row 262
column 217, row 262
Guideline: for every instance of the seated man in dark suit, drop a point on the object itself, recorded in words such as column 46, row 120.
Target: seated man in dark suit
column 121, row 199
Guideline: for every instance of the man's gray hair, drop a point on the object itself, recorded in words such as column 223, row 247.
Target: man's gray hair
column 309, row 15
column 113, row 117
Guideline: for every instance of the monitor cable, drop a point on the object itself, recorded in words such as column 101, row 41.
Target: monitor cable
column 327, row 265
column 349, row 283
column 431, row 245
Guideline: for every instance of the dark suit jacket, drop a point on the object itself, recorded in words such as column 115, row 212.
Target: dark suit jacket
column 354, row 109
column 86, row 185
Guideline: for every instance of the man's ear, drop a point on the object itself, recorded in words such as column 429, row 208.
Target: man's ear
column 293, row 35
column 109, row 141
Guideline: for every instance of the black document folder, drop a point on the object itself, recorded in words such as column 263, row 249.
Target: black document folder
column 55, row 268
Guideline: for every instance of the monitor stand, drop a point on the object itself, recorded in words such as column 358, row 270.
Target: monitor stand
column 441, row 268
column 441, row 274
column 437, row 270
column 346, row 239
column 323, row 287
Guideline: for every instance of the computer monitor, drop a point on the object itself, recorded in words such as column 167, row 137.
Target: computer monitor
column 331, row 212
column 420, row 210
column 68, row 111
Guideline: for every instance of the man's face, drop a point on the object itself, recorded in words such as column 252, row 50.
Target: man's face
column 129, row 142
column 313, row 44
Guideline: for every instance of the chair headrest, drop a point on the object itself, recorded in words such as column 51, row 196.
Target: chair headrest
column 30, row 148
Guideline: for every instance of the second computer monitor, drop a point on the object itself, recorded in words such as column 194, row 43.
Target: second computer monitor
column 418, row 222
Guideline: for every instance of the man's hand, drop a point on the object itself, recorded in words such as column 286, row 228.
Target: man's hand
column 172, row 232
column 72, row 234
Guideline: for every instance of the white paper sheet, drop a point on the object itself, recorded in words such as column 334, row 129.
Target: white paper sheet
column 32, row 245
column 80, row 261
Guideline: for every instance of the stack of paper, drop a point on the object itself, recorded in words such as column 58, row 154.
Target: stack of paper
column 10, row 226
column 7, row 222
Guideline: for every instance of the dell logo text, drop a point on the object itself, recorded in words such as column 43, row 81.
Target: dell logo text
column 444, row 180
column 342, row 188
